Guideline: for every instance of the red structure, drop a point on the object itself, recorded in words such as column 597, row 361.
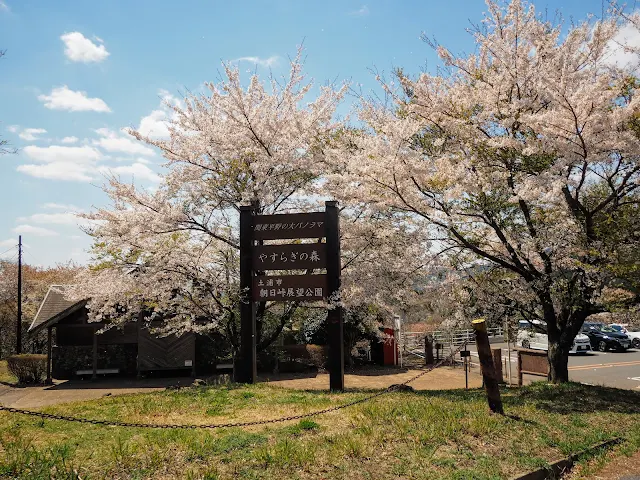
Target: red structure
column 390, row 347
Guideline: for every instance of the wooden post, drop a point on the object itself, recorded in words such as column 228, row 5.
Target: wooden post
column 334, row 315
column 466, row 373
column 95, row 354
column 193, row 356
column 519, row 368
column 428, row 350
column 487, row 367
column 49, row 350
column 497, row 363
column 245, row 370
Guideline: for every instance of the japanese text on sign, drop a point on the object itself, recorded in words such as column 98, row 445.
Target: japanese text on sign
column 290, row 287
column 289, row 257
column 287, row 226
column 290, row 225
column 292, row 257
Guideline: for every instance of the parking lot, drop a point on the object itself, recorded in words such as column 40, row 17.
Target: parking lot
column 613, row 369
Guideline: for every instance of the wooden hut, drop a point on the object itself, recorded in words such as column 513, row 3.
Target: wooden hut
column 77, row 347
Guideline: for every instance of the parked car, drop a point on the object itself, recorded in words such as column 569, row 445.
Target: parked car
column 633, row 336
column 604, row 337
column 532, row 335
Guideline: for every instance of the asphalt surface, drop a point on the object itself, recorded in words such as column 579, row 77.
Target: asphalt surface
column 612, row 369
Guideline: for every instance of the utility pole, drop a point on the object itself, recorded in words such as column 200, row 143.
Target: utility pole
column 19, row 319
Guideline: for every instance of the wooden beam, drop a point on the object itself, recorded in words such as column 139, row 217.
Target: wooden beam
column 487, row 367
column 334, row 315
column 95, row 354
column 244, row 370
column 49, row 350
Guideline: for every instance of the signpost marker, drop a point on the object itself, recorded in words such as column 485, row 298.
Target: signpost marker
column 287, row 287
column 334, row 315
column 245, row 370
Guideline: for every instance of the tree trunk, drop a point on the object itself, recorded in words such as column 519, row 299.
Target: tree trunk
column 558, row 362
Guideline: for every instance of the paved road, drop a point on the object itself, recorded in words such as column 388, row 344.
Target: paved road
column 613, row 369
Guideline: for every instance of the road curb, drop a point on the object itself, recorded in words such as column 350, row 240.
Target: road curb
column 560, row 467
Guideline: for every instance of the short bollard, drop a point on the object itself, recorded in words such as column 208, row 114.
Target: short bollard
column 486, row 366
column 428, row 350
column 497, row 363
column 465, row 354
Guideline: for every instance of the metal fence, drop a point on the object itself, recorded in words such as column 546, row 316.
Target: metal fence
column 412, row 343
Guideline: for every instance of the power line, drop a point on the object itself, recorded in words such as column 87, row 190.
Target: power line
column 32, row 256
column 13, row 258
column 8, row 250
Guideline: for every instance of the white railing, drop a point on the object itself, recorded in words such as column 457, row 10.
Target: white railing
column 415, row 340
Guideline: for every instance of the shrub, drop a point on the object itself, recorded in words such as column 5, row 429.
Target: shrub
column 319, row 355
column 28, row 368
column 312, row 355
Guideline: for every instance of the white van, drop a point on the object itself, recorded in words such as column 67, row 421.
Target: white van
column 531, row 336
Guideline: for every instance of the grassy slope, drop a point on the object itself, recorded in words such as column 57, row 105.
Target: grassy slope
column 428, row 435
column 5, row 376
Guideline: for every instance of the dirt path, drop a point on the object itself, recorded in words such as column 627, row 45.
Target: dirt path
column 443, row 378
column 73, row 391
column 620, row 468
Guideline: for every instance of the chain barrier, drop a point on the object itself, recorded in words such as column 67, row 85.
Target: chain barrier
column 115, row 423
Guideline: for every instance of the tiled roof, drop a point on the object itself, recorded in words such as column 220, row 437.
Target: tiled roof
column 53, row 305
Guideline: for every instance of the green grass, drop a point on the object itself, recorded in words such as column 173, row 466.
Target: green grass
column 423, row 435
column 5, row 376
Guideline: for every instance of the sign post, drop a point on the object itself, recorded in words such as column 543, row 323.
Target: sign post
column 487, row 367
column 465, row 359
column 287, row 287
column 245, row 370
column 334, row 315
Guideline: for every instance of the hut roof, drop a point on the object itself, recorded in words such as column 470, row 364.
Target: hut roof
column 54, row 307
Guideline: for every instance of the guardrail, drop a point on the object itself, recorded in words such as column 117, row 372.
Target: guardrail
column 412, row 340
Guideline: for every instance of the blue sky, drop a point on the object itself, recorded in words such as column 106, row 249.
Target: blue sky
column 77, row 72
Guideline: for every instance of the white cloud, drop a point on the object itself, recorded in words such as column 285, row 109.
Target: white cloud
column 62, row 163
column 62, row 98
column 13, row 128
column 81, row 49
column 361, row 12
column 114, row 142
column 4, row 6
column 37, row 231
column 9, row 242
column 68, row 218
column 58, row 153
column 60, row 206
column 624, row 47
column 69, row 140
column 154, row 125
column 30, row 134
column 58, row 171
column 136, row 170
column 263, row 62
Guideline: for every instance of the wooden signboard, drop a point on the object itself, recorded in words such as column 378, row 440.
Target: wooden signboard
column 255, row 259
column 532, row 362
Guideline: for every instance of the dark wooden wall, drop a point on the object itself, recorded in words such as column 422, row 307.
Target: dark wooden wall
column 165, row 353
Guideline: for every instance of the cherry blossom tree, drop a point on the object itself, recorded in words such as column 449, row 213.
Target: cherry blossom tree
column 35, row 284
column 175, row 250
column 518, row 158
